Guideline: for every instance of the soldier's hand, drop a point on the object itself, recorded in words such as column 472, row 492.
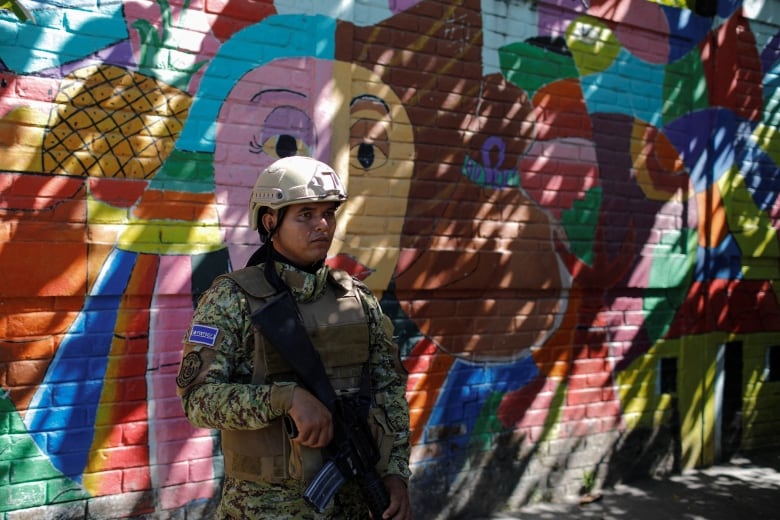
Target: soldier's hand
column 312, row 418
column 399, row 508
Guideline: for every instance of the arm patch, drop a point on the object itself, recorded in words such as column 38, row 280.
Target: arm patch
column 193, row 368
column 189, row 369
column 203, row 335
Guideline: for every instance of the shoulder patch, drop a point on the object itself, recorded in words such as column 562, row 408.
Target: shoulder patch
column 189, row 369
column 203, row 334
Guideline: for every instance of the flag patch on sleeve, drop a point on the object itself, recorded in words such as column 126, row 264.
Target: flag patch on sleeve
column 204, row 335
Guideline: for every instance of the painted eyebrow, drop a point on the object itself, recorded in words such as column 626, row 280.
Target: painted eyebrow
column 281, row 92
column 371, row 98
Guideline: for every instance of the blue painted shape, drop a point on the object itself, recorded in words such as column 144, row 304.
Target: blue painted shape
column 705, row 140
column 57, row 36
column 686, row 30
column 281, row 36
column 628, row 86
column 466, row 390
column 61, row 416
column 761, row 174
column 726, row 8
column 723, row 262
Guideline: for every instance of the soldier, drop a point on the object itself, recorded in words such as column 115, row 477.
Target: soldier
column 232, row 378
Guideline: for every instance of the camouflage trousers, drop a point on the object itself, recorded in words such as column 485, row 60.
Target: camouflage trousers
column 245, row 500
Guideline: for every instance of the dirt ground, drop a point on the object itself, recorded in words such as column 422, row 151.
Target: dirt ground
column 746, row 488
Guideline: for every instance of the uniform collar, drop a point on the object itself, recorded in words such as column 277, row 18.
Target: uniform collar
column 305, row 286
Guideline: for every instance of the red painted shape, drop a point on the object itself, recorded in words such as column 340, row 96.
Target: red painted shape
column 121, row 193
column 234, row 15
column 739, row 306
column 732, row 68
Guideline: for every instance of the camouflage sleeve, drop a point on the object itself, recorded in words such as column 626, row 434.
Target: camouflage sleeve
column 389, row 380
column 215, row 374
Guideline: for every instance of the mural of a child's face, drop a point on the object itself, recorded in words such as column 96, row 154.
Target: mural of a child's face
column 334, row 111
column 479, row 273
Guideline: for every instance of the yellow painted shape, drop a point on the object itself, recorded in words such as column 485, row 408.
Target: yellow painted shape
column 164, row 237
column 697, row 367
column 21, row 138
column 170, row 238
column 370, row 222
column 696, row 370
column 593, row 45
column 768, row 139
column 752, row 228
column 761, row 398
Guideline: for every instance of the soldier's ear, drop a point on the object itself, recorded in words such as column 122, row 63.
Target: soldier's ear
column 268, row 221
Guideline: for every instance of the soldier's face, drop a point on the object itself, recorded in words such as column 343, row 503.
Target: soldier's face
column 305, row 232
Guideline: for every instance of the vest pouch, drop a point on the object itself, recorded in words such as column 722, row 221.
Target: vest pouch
column 256, row 455
column 383, row 436
column 304, row 462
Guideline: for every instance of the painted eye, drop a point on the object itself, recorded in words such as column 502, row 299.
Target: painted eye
column 279, row 146
column 369, row 133
column 285, row 132
column 367, row 156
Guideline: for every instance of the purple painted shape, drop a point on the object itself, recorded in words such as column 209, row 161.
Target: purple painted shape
column 771, row 53
column 555, row 16
column 398, row 6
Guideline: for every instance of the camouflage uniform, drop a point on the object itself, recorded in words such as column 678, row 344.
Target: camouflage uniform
column 214, row 381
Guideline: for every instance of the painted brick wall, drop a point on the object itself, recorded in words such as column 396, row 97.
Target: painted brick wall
column 569, row 209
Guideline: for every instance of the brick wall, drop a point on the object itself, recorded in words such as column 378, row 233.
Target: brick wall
column 569, row 210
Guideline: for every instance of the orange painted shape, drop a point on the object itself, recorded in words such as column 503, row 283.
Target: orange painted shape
column 712, row 213
column 423, row 407
column 175, row 205
column 125, row 371
column 657, row 164
column 560, row 111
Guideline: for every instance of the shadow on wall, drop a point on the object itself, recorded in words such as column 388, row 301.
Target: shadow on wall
column 512, row 471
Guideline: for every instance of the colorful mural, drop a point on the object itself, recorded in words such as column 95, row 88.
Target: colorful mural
column 569, row 209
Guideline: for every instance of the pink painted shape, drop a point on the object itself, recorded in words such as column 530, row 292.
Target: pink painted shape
column 196, row 448
column 38, row 93
column 174, row 496
column 174, row 442
column 640, row 26
column 558, row 172
column 774, row 213
column 325, row 109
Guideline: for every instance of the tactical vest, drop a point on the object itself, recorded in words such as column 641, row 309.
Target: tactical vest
column 338, row 327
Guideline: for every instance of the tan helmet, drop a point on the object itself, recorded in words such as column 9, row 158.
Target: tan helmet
column 294, row 180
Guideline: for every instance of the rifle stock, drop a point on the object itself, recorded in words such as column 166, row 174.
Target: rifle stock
column 352, row 453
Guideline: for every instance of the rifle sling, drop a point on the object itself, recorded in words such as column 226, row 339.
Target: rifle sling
column 280, row 323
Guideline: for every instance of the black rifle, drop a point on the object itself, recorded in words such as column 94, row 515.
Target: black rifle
column 353, row 452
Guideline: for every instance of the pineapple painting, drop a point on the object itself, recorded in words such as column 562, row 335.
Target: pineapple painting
column 111, row 122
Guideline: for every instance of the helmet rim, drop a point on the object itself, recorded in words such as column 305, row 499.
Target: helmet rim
column 294, row 180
